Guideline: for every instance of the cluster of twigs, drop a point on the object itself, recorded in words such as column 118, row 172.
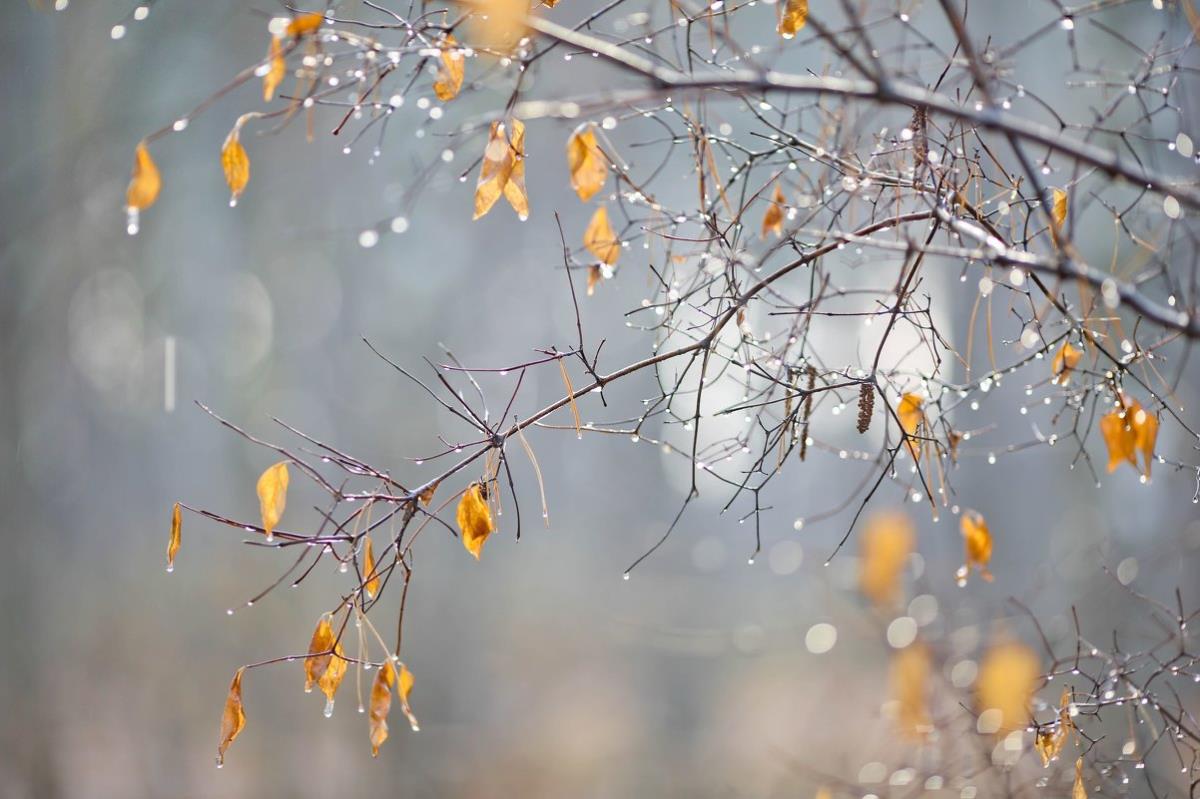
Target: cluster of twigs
column 907, row 154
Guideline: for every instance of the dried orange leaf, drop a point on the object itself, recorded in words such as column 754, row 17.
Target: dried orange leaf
column 977, row 541
column 233, row 719
column 909, row 677
column 1059, row 210
column 236, row 164
column 320, row 650
column 887, row 541
column 450, row 74
column 404, row 689
column 381, row 703
column 145, row 182
column 369, row 571
column 773, row 219
column 1007, row 679
column 503, row 170
column 600, row 238
column 176, row 537
column 911, row 418
column 272, row 496
column 1120, row 437
column 1078, row 791
column 474, row 519
column 426, row 496
column 305, row 23
column 1065, row 361
column 1050, row 739
column 331, row 678
column 588, row 167
column 1145, row 433
column 276, row 69
column 795, row 16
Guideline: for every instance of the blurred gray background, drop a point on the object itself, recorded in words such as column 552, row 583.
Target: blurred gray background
column 539, row 671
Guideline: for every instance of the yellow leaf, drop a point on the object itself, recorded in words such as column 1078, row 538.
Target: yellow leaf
column 381, row 703
column 1120, row 437
column 909, row 677
column 911, row 419
column 233, row 719
column 497, row 26
column 1007, row 679
column 474, row 519
column 1145, row 432
column 600, row 238
column 369, row 572
column 1065, row 361
column 305, row 23
column 450, row 74
column 1078, row 791
column 773, row 218
column 272, row 496
column 795, row 15
column 887, row 542
column 1059, row 210
column 503, row 170
column 404, row 689
column 586, row 162
column 145, row 182
column 1050, row 739
column 276, row 70
column 176, row 537
column 977, row 541
column 331, row 678
column 320, row 650
column 236, row 164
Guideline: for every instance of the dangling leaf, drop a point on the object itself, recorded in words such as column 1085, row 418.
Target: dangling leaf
column 474, row 519
column 1078, row 791
column 600, row 239
column 276, row 70
column 588, row 166
column 795, row 16
column 369, row 571
column 909, row 679
column 977, row 541
column 1059, row 210
column 381, row 703
column 145, row 182
column 426, row 496
column 1007, row 679
column 331, row 678
column 773, row 218
column 912, row 417
column 451, row 72
column 1145, row 433
column 503, row 169
column 233, row 719
column 304, row 24
column 1120, row 437
column 404, row 689
column 176, row 537
column 236, row 164
column 272, row 496
column 320, row 650
column 887, row 541
column 1050, row 740
column 1065, row 361
column 594, row 276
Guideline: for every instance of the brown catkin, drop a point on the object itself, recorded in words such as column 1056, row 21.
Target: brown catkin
column 866, row 406
column 808, row 402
